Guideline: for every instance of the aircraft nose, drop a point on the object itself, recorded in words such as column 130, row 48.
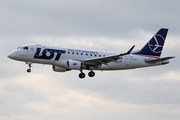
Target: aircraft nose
column 11, row 55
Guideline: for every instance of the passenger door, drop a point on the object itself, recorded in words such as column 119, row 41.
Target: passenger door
column 127, row 60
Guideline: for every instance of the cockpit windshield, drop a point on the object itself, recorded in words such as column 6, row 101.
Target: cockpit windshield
column 23, row 47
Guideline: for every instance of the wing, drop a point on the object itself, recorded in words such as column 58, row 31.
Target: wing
column 104, row 60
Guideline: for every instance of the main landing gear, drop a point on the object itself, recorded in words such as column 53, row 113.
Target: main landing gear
column 30, row 65
column 82, row 75
column 91, row 74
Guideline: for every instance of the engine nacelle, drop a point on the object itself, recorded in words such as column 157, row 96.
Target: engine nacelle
column 59, row 69
column 61, row 63
column 73, row 64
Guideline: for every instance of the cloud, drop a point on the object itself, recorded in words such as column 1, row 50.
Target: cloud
column 51, row 99
column 64, row 18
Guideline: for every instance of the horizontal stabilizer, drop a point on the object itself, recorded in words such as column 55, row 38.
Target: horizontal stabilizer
column 159, row 60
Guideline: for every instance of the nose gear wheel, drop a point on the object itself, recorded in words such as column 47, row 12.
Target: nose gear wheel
column 30, row 65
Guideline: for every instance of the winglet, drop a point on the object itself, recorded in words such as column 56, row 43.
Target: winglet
column 130, row 50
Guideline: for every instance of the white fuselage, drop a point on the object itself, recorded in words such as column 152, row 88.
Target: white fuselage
column 58, row 56
column 65, row 59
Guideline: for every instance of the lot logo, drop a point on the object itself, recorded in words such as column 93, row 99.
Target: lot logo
column 48, row 54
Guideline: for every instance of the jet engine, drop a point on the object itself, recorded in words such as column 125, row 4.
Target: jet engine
column 59, row 69
column 73, row 64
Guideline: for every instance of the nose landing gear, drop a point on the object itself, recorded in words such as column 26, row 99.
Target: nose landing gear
column 28, row 70
column 30, row 65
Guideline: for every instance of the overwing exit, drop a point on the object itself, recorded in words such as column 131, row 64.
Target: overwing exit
column 66, row 59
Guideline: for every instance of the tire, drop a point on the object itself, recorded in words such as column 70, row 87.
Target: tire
column 91, row 74
column 82, row 75
column 28, row 70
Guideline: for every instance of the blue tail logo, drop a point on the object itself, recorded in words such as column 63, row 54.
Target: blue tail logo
column 155, row 45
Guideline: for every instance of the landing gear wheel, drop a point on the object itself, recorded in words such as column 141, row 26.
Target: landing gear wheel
column 28, row 70
column 82, row 75
column 29, row 64
column 91, row 74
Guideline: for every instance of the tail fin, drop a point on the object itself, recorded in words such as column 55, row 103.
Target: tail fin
column 155, row 45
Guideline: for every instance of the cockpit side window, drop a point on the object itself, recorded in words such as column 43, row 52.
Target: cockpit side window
column 25, row 48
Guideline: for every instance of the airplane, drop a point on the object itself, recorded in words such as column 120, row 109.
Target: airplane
column 65, row 59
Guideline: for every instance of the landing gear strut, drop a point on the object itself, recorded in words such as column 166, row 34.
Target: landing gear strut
column 30, row 65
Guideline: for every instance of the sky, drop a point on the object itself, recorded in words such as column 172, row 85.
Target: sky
column 113, row 25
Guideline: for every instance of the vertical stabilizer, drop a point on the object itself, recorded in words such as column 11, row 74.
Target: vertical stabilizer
column 155, row 45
